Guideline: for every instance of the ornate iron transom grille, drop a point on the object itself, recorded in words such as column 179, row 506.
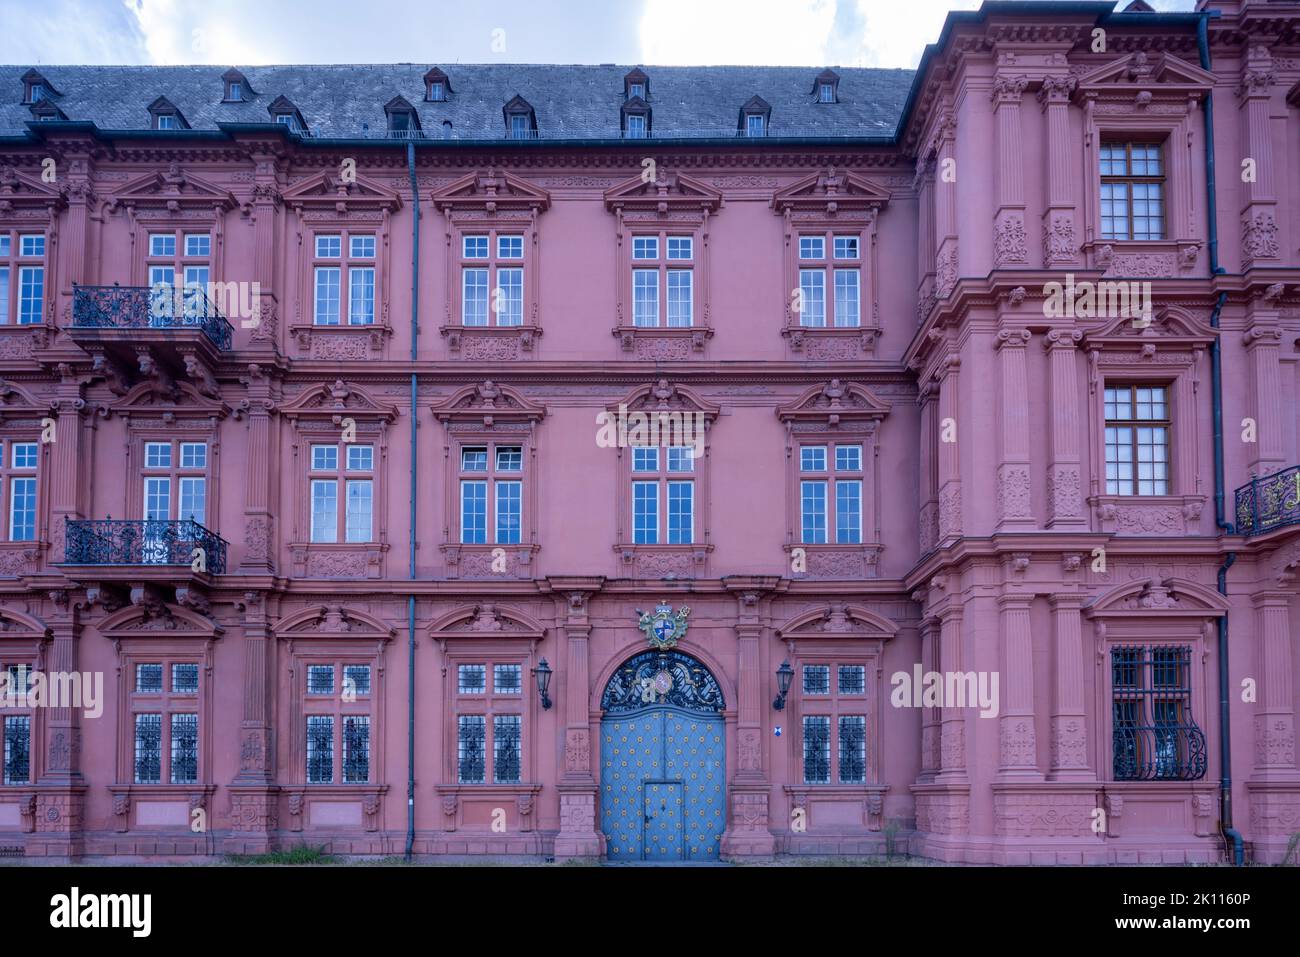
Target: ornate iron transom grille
column 656, row 678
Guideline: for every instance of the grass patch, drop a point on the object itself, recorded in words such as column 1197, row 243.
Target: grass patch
column 295, row 856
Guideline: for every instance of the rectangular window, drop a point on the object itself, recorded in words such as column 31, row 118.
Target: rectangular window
column 474, row 299
column 320, row 749
column 853, row 749
column 1132, row 191
column 358, row 266
column 645, row 297
column 680, row 297
column 473, row 513
column 812, row 499
column 507, row 679
column 162, row 245
column 471, row 679
column 645, row 247
column 356, row 749
column 361, row 247
column 360, row 510
column 361, row 293
column 148, row 748
column 816, row 679
column 22, row 489
column 755, row 125
column 148, row 679
column 356, row 680
column 184, row 748
column 320, row 679
column 471, row 745
column 812, row 247
column 198, row 244
column 510, row 247
column 505, row 748
column 681, row 512
column 474, row 247
column 4, row 295
column 645, row 513
column 510, row 297
column 680, row 247
column 1154, row 734
column 848, row 512
column 18, row 749
column 846, row 247
column 826, row 93
column 327, row 295
column 816, row 515
column 185, row 679
column 812, row 288
column 1137, row 440
column 329, row 247
column 31, row 294
column 509, row 522
column 816, row 749
column 853, row 679
column 519, row 127
column 635, row 126
column 324, row 510
column 847, row 308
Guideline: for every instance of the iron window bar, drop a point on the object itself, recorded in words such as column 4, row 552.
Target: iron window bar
column 136, row 307
column 1154, row 737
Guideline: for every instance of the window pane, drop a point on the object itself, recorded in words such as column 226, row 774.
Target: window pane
column 848, row 512
column 510, row 247
column 198, row 244
column 510, row 458
column 148, row 748
column 4, row 295
column 848, row 458
column 812, row 286
column 360, row 509
column 148, row 679
column 473, row 459
column 361, row 247
column 510, row 507
column 812, row 498
column 681, row 458
column 645, row 513
column 816, row 679
column 846, row 247
column 329, row 247
column 816, row 749
column 474, row 308
column 185, row 749
column 185, row 679
column 853, row 749
column 356, row 680
column 193, row 500
column 473, row 513
column 681, row 510
column 812, row 458
column 505, row 749
column 680, row 297
column 847, row 309
column 320, row 749
column 470, row 749
column 324, row 458
column 471, row 679
column 22, row 509
column 157, row 455
column 320, row 679
column 162, row 244
column 324, row 511
column 507, row 679
column 509, row 305
column 194, row 455
column 645, row 459
column 645, row 297
column 475, row 247
column 361, row 296
column 361, row 458
column 812, row 247
column 356, row 749
column 645, row 247
column 853, row 679
column 18, row 749
column 31, row 294
column 327, row 296
column 680, row 247
column 31, row 245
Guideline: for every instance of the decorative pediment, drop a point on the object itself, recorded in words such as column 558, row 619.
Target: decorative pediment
column 1168, row 329
column 491, row 191
column 335, row 401
column 1162, row 74
column 844, row 405
column 19, row 189
column 17, row 403
column 1171, row 597
column 664, row 396
column 832, row 193
column 328, row 188
column 15, row 624
column 333, row 621
column 665, row 193
column 169, row 400
column 159, row 621
column 837, row 620
column 486, row 621
column 489, row 403
column 172, row 190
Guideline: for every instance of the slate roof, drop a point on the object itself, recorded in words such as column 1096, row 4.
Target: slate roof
column 571, row 102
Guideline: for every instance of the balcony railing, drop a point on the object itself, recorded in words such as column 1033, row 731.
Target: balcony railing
column 150, row 307
column 145, row 542
column 1269, row 502
column 1171, row 752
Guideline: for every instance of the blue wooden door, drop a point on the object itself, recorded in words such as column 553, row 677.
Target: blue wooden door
column 663, row 761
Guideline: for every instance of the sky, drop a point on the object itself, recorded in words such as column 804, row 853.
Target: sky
column 874, row 33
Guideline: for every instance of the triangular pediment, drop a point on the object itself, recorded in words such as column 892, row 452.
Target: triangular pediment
column 329, row 188
column 491, row 190
column 665, row 191
column 837, row 402
column 24, row 189
column 831, row 190
column 173, row 187
column 489, row 401
column 336, row 399
column 1147, row 71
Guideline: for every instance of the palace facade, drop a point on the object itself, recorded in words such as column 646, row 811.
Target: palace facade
column 969, row 529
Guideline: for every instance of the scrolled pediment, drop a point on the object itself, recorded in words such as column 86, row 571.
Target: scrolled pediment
column 489, row 402
column 837, row 620
column 836, row 403
column 1170, row 597
column 665, row 396
column 333, row 621
column 486, row 621
column 336, row 399
column 160, row 621
column 168, row 399
column 16, row 624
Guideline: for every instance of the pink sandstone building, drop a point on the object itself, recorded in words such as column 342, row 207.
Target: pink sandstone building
column 970, row 528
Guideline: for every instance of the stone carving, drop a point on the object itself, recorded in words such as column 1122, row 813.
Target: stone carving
column 1259, row 236
column 1063, row 491
column 577, row 750
column 1274, row 740
column 1069, row 742
column 350, row 564
column 1059, row 246
column 1009, row 242
column 1013, row 491
column 257, row 538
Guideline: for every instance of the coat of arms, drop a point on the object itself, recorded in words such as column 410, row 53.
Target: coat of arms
column 663, row 628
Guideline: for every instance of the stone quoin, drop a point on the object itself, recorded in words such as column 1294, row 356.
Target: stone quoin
column 304, row 373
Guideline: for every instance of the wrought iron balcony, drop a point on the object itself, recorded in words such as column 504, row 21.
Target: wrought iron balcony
column 1269, row 502
column 145, row 542
column 1169, row 752
column 150, row 307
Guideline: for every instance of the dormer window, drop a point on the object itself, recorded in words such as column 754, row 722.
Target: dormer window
column 43, row 110
column 634, row 127
column 165, row 116
column 37, row 88
column 403, row 121
column 636, row 86
column 286, row 114
column 436, row 86
column 754, row 116
column 236, row 87
column 826, row 86
column 635, row 119
column 521, row 121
